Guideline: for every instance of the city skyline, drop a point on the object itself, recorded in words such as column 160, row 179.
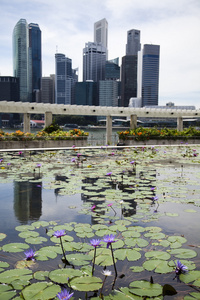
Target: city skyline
column 173, row 26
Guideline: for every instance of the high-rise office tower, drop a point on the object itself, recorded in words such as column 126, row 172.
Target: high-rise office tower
column 27, row 59
column 133, row 42
column 101, row 33
column 48, row 89
column 20, row 57
column 108, row 93
column 94, row 59
column 35, row 61
column 129, row 70
column 63, row 80
column 112, row 69
column 150, row 74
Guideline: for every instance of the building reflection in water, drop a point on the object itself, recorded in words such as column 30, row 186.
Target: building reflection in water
column 27, row 201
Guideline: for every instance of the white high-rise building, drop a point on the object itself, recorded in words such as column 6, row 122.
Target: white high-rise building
column 101, row 34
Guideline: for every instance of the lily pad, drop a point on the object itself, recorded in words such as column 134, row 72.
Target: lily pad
column 62, row 275
column 2, row 236
column 86, row 283
column 41, row 290
column 16, row 274
column 183, row 253
column 40, row 275
column 145, row 288
column 6, row 292
column 159, row 266
column 158, row 255
column 130, row 254
column 15, row 247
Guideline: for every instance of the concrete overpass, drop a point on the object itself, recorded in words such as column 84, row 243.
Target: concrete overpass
column 27, row 108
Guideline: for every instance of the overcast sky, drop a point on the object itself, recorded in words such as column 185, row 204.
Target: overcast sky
column 67, row 25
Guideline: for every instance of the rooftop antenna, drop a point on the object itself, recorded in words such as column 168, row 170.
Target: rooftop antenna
column 56, row 48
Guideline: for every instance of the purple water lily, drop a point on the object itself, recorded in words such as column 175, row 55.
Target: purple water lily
column 30, row 254
column 73, row 159
column 64, row 295
column 180, row 268
column 109, row 174
column 109, row 239
column 95, row 243
column 59, row 233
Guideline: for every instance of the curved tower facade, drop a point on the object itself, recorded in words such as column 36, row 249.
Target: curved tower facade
column 20, row 57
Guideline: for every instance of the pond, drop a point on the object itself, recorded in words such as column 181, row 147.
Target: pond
column 145, row 200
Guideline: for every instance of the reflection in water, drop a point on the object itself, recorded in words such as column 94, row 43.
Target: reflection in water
column 27, row 201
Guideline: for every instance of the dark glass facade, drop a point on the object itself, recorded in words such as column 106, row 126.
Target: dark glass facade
column 128, row 78
column 150, row 75
column 9, row 88
column 112, row 71
column 63, row 79
column 35, row 63
column 86, row 93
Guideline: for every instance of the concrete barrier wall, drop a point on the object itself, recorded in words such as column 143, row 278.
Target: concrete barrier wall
column 43, row 144
column 131, row 142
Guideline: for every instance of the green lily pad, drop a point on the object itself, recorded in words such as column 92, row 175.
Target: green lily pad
column 6, row 292
column 36, row 240
column 79, row 259
column 145, row 288
column 103, row 257
column 192, row 276
column 194, row 295
column 2, row 236
column 24, row 227
column 27, row 234
column 15, row 247
column 62, row 275
column 130, row 254
column 158, row 255
column 39, row 224
column 48, row 252
column 40, row 275
column 41, row 290
column 159, row 266
column 16, row 274
column 183, row 253
column 86, row 283
column 132, row 242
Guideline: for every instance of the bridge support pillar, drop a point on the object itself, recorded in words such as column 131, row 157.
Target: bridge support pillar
column 26, row 127
column 133, row 121
column 180, row 124
column 108, row 130
column 48, row 118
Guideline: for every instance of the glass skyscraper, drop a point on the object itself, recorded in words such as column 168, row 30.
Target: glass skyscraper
column 150, row 74
column 94, row 60
column 35, row 60
column 20, row 57
column 27, row 63
column 63, row 80
column 129, row 70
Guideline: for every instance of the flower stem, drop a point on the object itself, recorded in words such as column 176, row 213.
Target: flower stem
column 102, row 286
column 113, row 260
column 63, row 249
column 94, row 260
